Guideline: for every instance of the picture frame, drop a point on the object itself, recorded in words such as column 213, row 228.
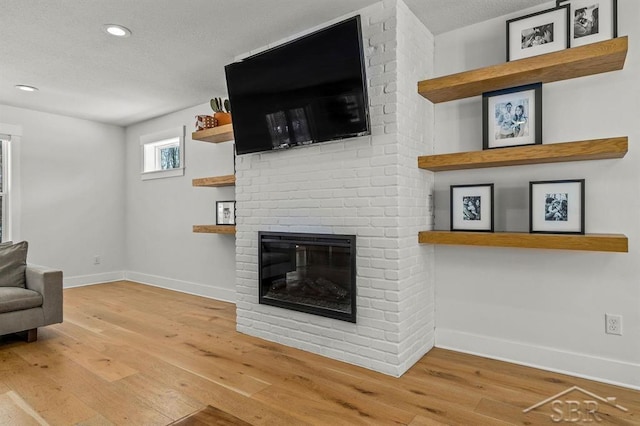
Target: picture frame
column 225, row 212
column 471, row 207
column 538, row 33
column 557, row 206
column 591, row 21
column 512, row 117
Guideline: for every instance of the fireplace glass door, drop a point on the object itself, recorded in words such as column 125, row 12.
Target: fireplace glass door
column 313, row 273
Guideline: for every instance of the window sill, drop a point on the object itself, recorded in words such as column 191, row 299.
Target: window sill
column 160, row 174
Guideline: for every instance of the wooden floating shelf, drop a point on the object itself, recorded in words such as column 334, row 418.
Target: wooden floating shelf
column 215, row 181
column 215, row 229
column 596, row 149
column 590, row 242
column 215, row 134
column 576, row 62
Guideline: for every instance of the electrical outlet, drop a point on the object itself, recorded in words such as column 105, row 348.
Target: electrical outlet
column 96, row 260
column 613, row 324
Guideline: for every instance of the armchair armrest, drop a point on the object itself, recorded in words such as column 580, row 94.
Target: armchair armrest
column 47, row 282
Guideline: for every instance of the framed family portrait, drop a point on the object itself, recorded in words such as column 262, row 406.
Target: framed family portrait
column 512, row 117
column 538, row 33
column 225, row 212
column 556, row 206
column 472, row 207
column 591, row 21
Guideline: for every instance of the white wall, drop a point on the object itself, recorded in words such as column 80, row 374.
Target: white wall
column 162, row 250
column 82, row 196
column 72, row 183
column 544, row 307
column 416, row 307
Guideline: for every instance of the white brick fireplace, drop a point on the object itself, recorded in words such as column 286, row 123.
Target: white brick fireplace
column 370, row 187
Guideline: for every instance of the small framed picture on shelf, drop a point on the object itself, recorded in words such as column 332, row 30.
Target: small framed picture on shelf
column 538, row 33
column 556, row 206
column 591, row 21
column 472, row 207
column 225, row 212
column 512, row 117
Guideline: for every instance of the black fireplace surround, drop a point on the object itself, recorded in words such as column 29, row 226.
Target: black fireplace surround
column 312, row 273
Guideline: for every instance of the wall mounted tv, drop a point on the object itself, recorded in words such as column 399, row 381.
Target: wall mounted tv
column 309, row 90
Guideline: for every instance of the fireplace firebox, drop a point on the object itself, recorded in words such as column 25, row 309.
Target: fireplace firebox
column 312, row 273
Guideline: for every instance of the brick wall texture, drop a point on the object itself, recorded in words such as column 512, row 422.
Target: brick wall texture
column 368, row 186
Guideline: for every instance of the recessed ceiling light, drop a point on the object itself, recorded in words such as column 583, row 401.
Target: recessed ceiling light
column 116, row 30
column 26, row 88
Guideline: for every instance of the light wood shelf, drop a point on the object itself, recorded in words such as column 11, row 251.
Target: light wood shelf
column 215, row 134
column 588, row 242
column 215, row 181
column 214, row 229
column 576, row 62
column 595, row 149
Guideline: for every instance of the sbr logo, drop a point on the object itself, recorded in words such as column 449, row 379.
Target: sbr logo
column 574, row 410
column 570, row 411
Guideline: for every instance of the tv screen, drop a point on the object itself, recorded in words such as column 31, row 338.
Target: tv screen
column 309, row 90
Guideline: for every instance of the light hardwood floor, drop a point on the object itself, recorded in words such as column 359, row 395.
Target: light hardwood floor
column 134, row 354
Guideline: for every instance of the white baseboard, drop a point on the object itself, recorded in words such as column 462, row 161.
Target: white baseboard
column 82, row 280
column 218, row 293
column 590, row 367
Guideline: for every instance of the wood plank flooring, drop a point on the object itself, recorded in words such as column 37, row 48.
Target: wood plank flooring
column 139, row 355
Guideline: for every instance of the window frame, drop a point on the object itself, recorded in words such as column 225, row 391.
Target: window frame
column 12, row 135
column 152, row 144
column 5, row 190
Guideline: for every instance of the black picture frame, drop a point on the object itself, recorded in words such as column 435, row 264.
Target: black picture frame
column 479, row 216
column 538, row 33
column 553, row 209
column 225, row 212
column 499, row 131
column 592, row 30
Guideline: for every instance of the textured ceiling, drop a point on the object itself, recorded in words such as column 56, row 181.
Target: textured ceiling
column 177, row 52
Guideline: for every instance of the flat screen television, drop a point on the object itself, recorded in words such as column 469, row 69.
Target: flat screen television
column 309, row 90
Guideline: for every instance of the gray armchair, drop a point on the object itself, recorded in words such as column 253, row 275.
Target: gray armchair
column 37, row 305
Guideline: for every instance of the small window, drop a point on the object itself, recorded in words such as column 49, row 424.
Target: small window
column 4, row 190
column 163, row 154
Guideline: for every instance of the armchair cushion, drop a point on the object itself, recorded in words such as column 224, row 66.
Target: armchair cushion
column 13, row 263
column 18, row 299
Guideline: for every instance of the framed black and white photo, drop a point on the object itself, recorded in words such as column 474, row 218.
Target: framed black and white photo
column 512, row 117
column 225, row 212
column 556, row 206
column 538, row 33
column 591, row 21
column 472, row 207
